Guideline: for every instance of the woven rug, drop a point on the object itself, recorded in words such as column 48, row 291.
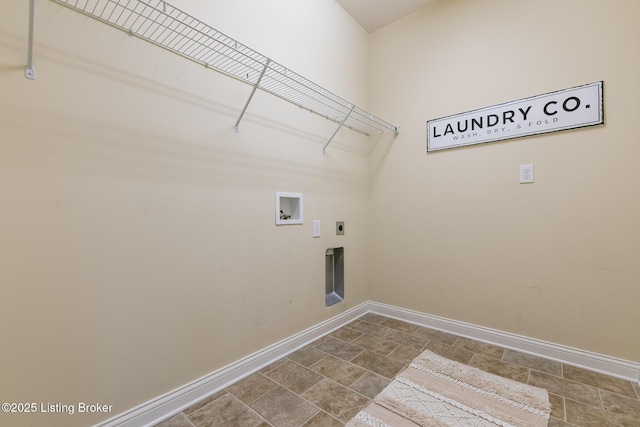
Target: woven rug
column 434, row 391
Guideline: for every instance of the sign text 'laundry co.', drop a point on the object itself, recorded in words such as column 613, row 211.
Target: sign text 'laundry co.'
column 555, row 111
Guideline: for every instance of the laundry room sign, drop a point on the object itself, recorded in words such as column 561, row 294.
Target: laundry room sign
column 571, row 108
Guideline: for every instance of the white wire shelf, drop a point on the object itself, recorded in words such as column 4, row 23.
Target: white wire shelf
column 160, row 23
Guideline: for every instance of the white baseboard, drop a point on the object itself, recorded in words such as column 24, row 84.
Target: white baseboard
column 163, row 407
column 156, row 410
column 592, row 361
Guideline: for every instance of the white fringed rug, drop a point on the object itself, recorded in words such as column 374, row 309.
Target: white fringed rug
column 434, row 391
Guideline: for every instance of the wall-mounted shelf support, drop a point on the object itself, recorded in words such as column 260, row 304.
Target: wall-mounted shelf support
column 163, row 25
column 324, row 149
column 29, row 71
column 255, row 86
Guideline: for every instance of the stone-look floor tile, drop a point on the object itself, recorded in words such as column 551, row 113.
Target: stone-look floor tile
column 379, row 364
column 307, row 356
column 373, row 318
column 338, row 370
column 438, row 336
column 273, row 366
column 321, row 340
column 252, row 387
column 204, row 402
column 557, row 406
column 339, row 348
column 636, row 387
column 588, row 416
column 566, row 388
column 404, row 354
column 555, row 422
column 380, row 345
column 179, row 420
column 618, row 404
column 225, row 411
column 579, row 399
column 295, row 377
column 283, row 408
column 370, row 384
column 346, row 334
column 501, row 368
column 534, row 362
column 453, row 353
column 336, row 399
column 322, row 419
column 595, row 379
column 400, row 325
column 369, row 328
column 407, row 340
column 479, row 347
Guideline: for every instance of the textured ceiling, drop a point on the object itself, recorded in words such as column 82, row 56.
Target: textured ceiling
column 374, row 14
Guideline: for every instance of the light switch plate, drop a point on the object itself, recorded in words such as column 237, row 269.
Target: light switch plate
column 340, row 228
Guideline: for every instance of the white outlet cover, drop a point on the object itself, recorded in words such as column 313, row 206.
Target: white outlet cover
column 526, row 173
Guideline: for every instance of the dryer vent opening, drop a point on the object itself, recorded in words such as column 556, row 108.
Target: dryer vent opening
column 334, row 276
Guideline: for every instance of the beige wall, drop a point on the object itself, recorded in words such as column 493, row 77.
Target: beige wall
column 138, row 246
column 138, row 250
column 454, row 233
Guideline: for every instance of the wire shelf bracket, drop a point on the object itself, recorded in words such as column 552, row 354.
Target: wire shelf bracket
column 237, row 127
column 29, row 71
column 159, row 23
column 324, row 149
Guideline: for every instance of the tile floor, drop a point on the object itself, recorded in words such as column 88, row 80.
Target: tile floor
column 327, row 382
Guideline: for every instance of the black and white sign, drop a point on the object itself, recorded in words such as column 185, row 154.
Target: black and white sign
column 562, row 110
